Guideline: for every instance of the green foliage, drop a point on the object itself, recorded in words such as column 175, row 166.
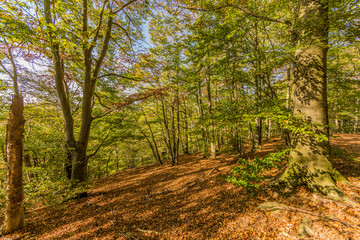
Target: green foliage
column 50, row 188
column 249, row 173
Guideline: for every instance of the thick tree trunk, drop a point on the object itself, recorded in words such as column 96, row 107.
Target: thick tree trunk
column 309, row 159
column 14, row 212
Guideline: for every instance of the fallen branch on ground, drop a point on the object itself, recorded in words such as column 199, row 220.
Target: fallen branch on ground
column 148, row 231
column 213, row 170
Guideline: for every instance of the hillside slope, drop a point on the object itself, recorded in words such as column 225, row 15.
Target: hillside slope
column 192, row 201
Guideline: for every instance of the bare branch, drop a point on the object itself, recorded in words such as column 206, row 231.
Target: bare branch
column 100, row 145
column 97, row 96
column 6, row 70
column 117, row 75
column 126, row 32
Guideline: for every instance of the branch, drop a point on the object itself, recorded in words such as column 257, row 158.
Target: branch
column 148, row 231
column 119, row 45
column 97, row 96
column 126, row 32
column 97, row 30
column 125, row 5
column 245, row 10
column 117, row 75
column 104, row 48
column 133, row 98
column 6, row 70
column 98, row 148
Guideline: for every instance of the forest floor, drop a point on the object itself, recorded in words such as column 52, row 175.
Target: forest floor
column 192, row 201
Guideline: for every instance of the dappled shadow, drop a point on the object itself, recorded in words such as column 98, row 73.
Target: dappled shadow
column 346, row 154
column 187, row 201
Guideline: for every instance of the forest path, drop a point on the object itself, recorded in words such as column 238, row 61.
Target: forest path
column 192, row 201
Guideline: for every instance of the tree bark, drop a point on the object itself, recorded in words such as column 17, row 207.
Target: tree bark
column 14, row 212
column 309, row 159
column 78, row 148
column 62, row 90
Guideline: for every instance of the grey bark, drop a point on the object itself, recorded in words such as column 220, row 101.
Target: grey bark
column 309, row 159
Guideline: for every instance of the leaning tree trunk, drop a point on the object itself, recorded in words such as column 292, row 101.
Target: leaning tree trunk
column 309, row 159
column 14, row 212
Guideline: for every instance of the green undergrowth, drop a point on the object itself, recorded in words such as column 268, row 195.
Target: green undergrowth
column 249, row 173
column 47, row 191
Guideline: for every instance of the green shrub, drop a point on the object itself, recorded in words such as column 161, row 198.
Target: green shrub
column 249, row 173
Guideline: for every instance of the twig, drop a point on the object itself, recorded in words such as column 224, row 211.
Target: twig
column 213, row 170
column 148, row 231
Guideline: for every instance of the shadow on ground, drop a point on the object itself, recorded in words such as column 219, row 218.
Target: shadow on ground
column 188, row 201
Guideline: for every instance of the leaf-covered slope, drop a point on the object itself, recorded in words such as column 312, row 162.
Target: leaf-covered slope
column 192, row 201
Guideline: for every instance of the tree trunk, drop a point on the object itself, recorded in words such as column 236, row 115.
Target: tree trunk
column 186, row 131
column 286, row 133
column 62, row 90
column 212, row 126
column 28, row 165
column 153, row 145
column 269, row 129
column 356, row 120
column 14, row 212
column 309, row 159
column 78, row 149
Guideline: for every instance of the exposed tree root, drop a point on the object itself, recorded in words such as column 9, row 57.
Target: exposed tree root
column 325, row 217
column 338, row 177
column 316, row 181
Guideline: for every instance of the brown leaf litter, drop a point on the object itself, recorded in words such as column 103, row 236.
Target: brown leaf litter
column 192, row 201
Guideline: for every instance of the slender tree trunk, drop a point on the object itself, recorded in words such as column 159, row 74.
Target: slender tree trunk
column 28, row 165
column 201, row 114
column 212, row 126
column 356, row 119
column 258, row 81
column 186, row 131
column 153, row 145
column 286, row 132
column 62, row 90
column 309, row 159
column 14, row 212
column 178, row 126
column 269, row 129
column 168, row 135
